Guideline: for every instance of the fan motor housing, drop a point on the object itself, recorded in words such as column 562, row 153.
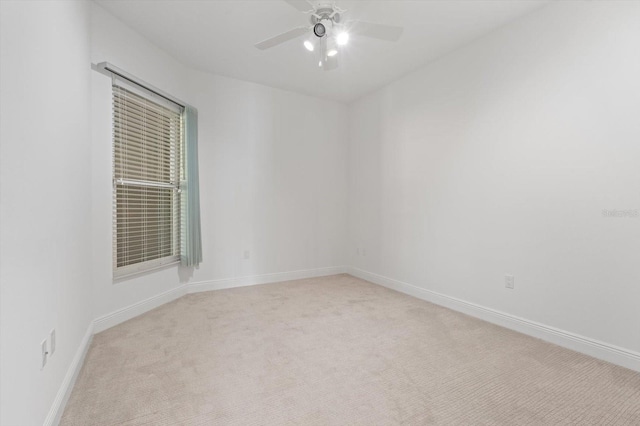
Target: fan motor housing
column 325, row 13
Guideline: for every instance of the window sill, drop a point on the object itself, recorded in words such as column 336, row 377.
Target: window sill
column 130, row 271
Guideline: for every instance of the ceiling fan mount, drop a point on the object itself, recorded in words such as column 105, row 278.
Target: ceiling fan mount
column 327, row 26
column 326, row 13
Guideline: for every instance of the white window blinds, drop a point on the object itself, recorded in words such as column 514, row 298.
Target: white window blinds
column 148, row 169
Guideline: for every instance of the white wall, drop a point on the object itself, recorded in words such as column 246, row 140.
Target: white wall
column 273, row 172
column 500, row 158
column 273, row 179
column 45, row 213
column 114, row 42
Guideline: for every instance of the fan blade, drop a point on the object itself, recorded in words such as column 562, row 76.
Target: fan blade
column 281, row 38
column 300, row 5
column 331, row 63
column 379, row 31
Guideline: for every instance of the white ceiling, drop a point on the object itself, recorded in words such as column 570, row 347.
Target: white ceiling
column 218, row 37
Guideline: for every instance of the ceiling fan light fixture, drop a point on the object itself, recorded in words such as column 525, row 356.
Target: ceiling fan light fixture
column 319, row 29
column 331, row 47
column 342, row 38
column 331, row 30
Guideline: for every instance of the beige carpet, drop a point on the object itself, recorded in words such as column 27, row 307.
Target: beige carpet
column 337, row 351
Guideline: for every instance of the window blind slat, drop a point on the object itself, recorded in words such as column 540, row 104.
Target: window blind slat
column 138, row 110
column 150, row 129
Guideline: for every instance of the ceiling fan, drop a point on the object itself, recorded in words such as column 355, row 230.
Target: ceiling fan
column 328, row 32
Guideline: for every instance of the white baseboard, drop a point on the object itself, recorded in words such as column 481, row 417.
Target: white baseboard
column 597, row 349
column 57, row 408
column 139, row 308
column 132, row 311
column 263, row 279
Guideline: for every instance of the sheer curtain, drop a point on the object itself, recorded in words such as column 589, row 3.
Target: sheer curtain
column 191, row 253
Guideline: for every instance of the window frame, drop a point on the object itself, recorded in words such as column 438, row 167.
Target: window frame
column 148, row 265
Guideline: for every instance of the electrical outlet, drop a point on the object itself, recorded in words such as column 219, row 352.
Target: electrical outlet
column 247, row 254
column 52, row 339
column 45, row 353
column 509, row 281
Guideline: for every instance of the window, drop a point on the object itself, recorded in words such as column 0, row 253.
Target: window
column 148, row 169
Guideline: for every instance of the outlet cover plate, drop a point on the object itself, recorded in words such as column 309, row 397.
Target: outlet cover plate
column 509, row 281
